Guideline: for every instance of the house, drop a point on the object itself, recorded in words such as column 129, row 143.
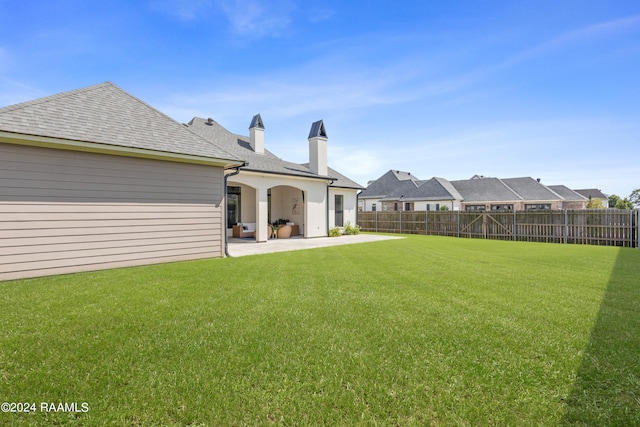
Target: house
column 572, row 199
column 311, row 196
column 594, row 193
column 401, row 191
column 95, row 178
column 509, row 194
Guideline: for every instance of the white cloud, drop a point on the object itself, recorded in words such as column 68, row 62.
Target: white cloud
column 258, row 18
column 184, row 10
column 571, row 38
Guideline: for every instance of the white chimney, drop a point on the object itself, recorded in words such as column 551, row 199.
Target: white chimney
column 318, row 149
column 256, row 134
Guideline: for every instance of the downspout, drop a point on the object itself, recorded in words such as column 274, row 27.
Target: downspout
column 224, row 233
column 328, row 203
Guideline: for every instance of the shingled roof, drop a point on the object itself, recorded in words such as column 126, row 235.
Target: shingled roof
column 268, row 162
column 483, row 189
column 105, row 114
column 392, row 182
column 567, row 193
column 593, row 193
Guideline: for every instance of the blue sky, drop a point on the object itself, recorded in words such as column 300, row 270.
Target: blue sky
column 547, row 89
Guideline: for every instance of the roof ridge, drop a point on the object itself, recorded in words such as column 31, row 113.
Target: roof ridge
column 510, row 189
column 553, row 191
column 171, row 119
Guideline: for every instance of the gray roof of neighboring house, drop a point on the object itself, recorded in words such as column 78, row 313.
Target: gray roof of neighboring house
column 267, row 162
column 593, row 192
column 387, row 184
column 484, row 189
column 397, row 185
column 403, row 189
column 106, row 114
column 566, row 193
column 433, row 189
column 530, row 189
column 449, row 188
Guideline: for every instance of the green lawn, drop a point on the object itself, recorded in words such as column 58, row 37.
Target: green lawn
column 417, row 331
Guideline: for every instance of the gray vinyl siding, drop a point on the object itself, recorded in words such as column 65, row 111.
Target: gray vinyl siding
column 64, row 211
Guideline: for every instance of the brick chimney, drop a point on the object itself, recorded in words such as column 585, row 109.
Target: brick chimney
column 256, row 134
column 318, row 149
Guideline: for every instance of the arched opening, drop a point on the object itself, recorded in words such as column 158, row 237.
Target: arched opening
column 248, row 205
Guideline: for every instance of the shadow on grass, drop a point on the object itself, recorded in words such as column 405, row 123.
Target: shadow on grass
column 607, row 386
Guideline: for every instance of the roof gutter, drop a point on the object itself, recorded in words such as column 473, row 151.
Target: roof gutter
column 331, row 181
column 224, row 224
column 111, row 149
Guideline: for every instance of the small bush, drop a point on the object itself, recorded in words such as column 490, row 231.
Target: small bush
column 351, row 229
column 335, row 232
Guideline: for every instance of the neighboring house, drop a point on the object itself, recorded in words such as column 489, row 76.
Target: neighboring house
column 572, row 199
column 401, row 191
column 509, row 194
column 594, row 193
column 312, row 196
column 95, row 178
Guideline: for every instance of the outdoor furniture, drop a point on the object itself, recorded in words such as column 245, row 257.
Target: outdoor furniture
column 284, row 231
column 246, row 229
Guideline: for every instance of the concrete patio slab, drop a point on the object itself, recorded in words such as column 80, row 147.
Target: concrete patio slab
column 241, row 247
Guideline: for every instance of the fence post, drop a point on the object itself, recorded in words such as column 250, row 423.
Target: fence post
column 376, row 221
column 400, row 213
column 514, row 226
column 637, row 228
column 426, row 223
column 458, row 223
column 631, row 229
column 566, row 226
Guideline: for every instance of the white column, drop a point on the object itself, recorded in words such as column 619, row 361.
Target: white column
column 262, row 217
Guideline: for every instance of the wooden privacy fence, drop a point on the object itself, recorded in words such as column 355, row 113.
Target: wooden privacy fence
column 610, row 227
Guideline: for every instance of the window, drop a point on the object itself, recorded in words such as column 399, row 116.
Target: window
column 233, row 206
column 538, row 207
column 395, row 206
column 474, row 208
column 437, row 206
column 501, row 207
column 339, row 210
column 407, row 206
column 373, row 207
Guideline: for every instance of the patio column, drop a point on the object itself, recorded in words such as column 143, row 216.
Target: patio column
column 262, row 217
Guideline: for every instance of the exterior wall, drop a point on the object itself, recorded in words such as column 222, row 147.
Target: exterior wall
column 64, row 211
column 248, row 203
column 349, row 208
column 286, row 203
column 576, row 205
column 453, row 205
column 366, row 205
column 518, row 205
column 314, row 207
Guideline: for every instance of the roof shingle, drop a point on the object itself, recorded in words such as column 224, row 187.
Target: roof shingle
column 105, row 114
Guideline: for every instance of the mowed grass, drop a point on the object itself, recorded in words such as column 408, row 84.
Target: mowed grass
column 417, row 331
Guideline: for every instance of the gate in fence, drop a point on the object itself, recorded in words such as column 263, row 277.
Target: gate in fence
column 611, row 227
